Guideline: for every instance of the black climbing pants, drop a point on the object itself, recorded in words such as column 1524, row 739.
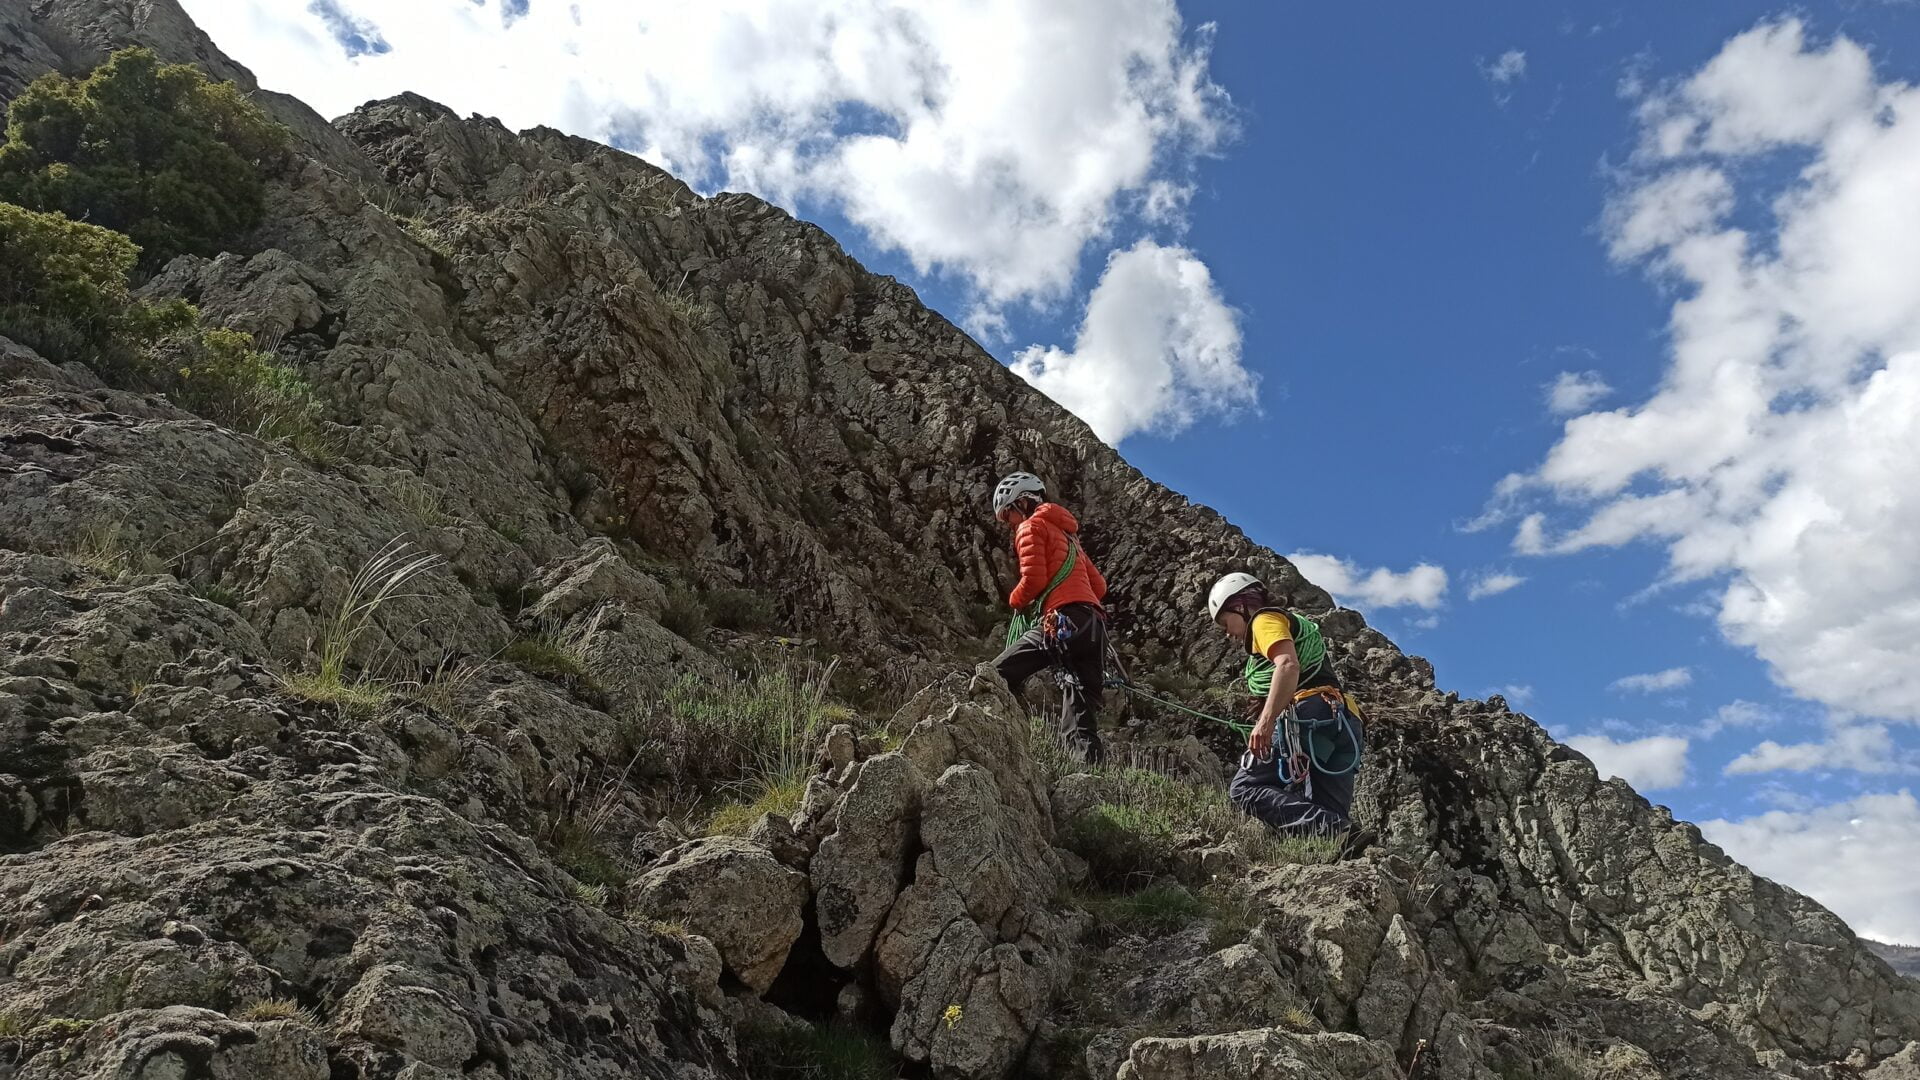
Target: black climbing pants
column 1083, row 674
column 1317, row 806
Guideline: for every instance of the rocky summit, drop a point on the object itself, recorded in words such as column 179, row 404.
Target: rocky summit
column 593, row 697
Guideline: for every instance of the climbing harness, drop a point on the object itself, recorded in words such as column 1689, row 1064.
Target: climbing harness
column 1023, row 620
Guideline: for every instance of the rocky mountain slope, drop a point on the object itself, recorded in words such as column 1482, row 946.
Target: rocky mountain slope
column 583, row 389
column 1904, row 958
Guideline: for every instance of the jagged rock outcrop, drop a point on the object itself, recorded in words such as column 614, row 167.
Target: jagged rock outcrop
column 603, row 381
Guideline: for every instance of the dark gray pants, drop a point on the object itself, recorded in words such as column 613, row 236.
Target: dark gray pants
column 1080, row 661
column 1319, row 806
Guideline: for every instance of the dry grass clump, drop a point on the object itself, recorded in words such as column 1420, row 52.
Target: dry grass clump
column 379, row 582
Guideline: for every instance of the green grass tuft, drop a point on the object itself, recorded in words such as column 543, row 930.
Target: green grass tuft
column 59, row 1029
column 544, row 654
column 378, row 583
column 815, row 1053
column 1143, row 818
column 778, row 795
column 109, row 549
column 1157, row 909
column 420, row 500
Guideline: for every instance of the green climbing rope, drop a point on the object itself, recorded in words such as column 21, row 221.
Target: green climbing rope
column 1243, row 730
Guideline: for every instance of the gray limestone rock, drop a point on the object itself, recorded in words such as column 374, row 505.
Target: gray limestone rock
column 734, row 893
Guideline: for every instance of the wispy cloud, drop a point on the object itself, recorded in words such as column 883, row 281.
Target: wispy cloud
column 1654, row 682
column 1505, row 68
column 1864, row 749
column 1494, row 583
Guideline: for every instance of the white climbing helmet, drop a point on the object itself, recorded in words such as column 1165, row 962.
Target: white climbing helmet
column 1014, row 486
column 1226, row 589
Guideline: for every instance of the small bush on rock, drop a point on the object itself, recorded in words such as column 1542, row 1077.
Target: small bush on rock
column 156, row 151
column 63, row 292
column 685, row 613
column 739, row 609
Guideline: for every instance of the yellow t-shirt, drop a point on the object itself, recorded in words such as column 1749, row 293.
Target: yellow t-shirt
column 1270, row 629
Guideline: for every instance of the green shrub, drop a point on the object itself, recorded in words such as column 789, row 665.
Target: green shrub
column 806, row 1052
column 220, row 375
column 685, row 613
column 739, row 609
column 156, row 151
column 63, row 292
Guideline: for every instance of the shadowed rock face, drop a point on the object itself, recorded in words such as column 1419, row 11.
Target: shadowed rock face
column 598, row 371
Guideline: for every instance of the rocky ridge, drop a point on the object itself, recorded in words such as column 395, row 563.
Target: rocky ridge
column 610, row 384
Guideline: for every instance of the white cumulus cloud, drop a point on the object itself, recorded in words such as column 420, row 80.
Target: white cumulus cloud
column 996, row 139
column 1649, row 764
column 1423, row 586
column 1493, row 583
column 1653, row 682
column 1157, row 349
column 1776, row 457
column 1856, row 857
column 1575, row 392
column 1866, row 748
column 996, row 143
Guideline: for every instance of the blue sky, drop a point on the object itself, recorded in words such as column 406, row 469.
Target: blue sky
column 1408, row 223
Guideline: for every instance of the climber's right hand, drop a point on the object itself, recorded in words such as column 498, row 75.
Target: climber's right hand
column 1260, row 740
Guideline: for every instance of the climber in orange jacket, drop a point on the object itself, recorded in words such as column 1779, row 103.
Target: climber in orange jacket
column 1058, row 620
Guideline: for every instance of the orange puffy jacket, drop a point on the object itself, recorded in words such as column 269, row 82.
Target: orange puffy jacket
column 1041, row 543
